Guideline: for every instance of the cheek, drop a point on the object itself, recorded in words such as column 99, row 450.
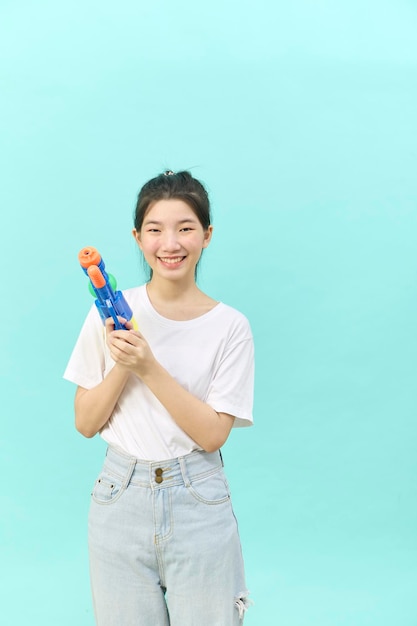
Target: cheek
column 148, row 246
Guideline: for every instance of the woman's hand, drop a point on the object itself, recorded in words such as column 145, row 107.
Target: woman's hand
column 109, row 324
column 129, row 348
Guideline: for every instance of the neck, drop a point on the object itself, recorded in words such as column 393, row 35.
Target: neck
column 172, row 291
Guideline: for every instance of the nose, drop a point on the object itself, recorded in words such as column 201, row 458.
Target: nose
column 170, row 241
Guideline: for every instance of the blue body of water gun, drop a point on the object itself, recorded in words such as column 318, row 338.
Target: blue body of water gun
column 103, row 286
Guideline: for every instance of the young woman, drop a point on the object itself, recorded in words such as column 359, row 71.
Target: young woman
column 163, row 540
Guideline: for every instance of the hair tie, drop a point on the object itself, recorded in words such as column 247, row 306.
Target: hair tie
column 169, row 173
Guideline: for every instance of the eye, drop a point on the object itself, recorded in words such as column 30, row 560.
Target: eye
column 186, row 229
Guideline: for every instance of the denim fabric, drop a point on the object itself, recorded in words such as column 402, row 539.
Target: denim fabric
column 164, row 544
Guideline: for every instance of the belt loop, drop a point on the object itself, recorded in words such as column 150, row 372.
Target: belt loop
column 184, row 471
column 221, row 457
column 128, row 476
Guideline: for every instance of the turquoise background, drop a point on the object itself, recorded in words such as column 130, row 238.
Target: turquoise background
column 301, row 119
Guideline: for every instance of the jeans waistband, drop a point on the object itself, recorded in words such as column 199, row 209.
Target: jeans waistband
column 162, row 474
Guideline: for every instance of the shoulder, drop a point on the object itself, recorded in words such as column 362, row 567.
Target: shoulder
column 232, row 319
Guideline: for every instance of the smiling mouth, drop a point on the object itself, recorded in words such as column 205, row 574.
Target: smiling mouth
column 171, row 260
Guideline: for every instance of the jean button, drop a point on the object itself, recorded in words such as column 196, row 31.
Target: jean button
column 158, row 475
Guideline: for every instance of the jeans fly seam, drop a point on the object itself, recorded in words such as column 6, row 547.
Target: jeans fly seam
column 159, row 537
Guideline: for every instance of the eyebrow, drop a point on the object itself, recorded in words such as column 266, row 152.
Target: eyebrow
column 184, row 221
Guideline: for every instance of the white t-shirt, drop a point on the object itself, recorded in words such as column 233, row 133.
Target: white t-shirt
column 211, row 356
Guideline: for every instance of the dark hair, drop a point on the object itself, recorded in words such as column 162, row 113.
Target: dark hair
column 181, row 186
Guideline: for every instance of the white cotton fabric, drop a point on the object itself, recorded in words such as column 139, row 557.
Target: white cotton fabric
column 211, row 356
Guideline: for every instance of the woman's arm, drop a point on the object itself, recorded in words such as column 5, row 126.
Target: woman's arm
column 196, row 418
column 199, row 420
column 93, row 407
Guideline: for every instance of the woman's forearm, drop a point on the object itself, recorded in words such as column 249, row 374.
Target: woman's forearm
column 199, row 420
column 93, row 407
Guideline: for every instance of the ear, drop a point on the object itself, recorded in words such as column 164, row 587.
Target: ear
column 136, row 237
column 207, row 236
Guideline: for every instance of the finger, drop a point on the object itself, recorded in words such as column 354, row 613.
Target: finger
column 119, row 353
column 130, row 336
column 124, row 346
column 109, row 324
column 124, row 322
column 119, row 343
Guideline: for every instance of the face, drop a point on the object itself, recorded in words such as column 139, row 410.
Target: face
column 172, row 239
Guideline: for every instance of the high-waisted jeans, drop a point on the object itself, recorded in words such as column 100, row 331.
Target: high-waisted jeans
column 164, row 544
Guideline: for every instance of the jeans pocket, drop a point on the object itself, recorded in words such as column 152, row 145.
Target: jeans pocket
column 107, row 488
column 211, row 489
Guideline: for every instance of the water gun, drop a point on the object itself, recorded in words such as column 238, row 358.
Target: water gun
column 103, row 287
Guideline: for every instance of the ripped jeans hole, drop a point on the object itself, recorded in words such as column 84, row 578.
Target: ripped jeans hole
column 242, row 603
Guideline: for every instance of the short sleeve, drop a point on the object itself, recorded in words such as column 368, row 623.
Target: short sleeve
column 87, row 363
column 231, row 389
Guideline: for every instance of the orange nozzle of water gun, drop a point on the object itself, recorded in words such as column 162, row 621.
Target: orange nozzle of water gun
column 89, row 256
column 96, row 276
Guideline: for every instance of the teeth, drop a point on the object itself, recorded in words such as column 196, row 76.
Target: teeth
column 171, row 260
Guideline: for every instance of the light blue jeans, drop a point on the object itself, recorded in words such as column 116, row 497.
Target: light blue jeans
column 164, row 544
